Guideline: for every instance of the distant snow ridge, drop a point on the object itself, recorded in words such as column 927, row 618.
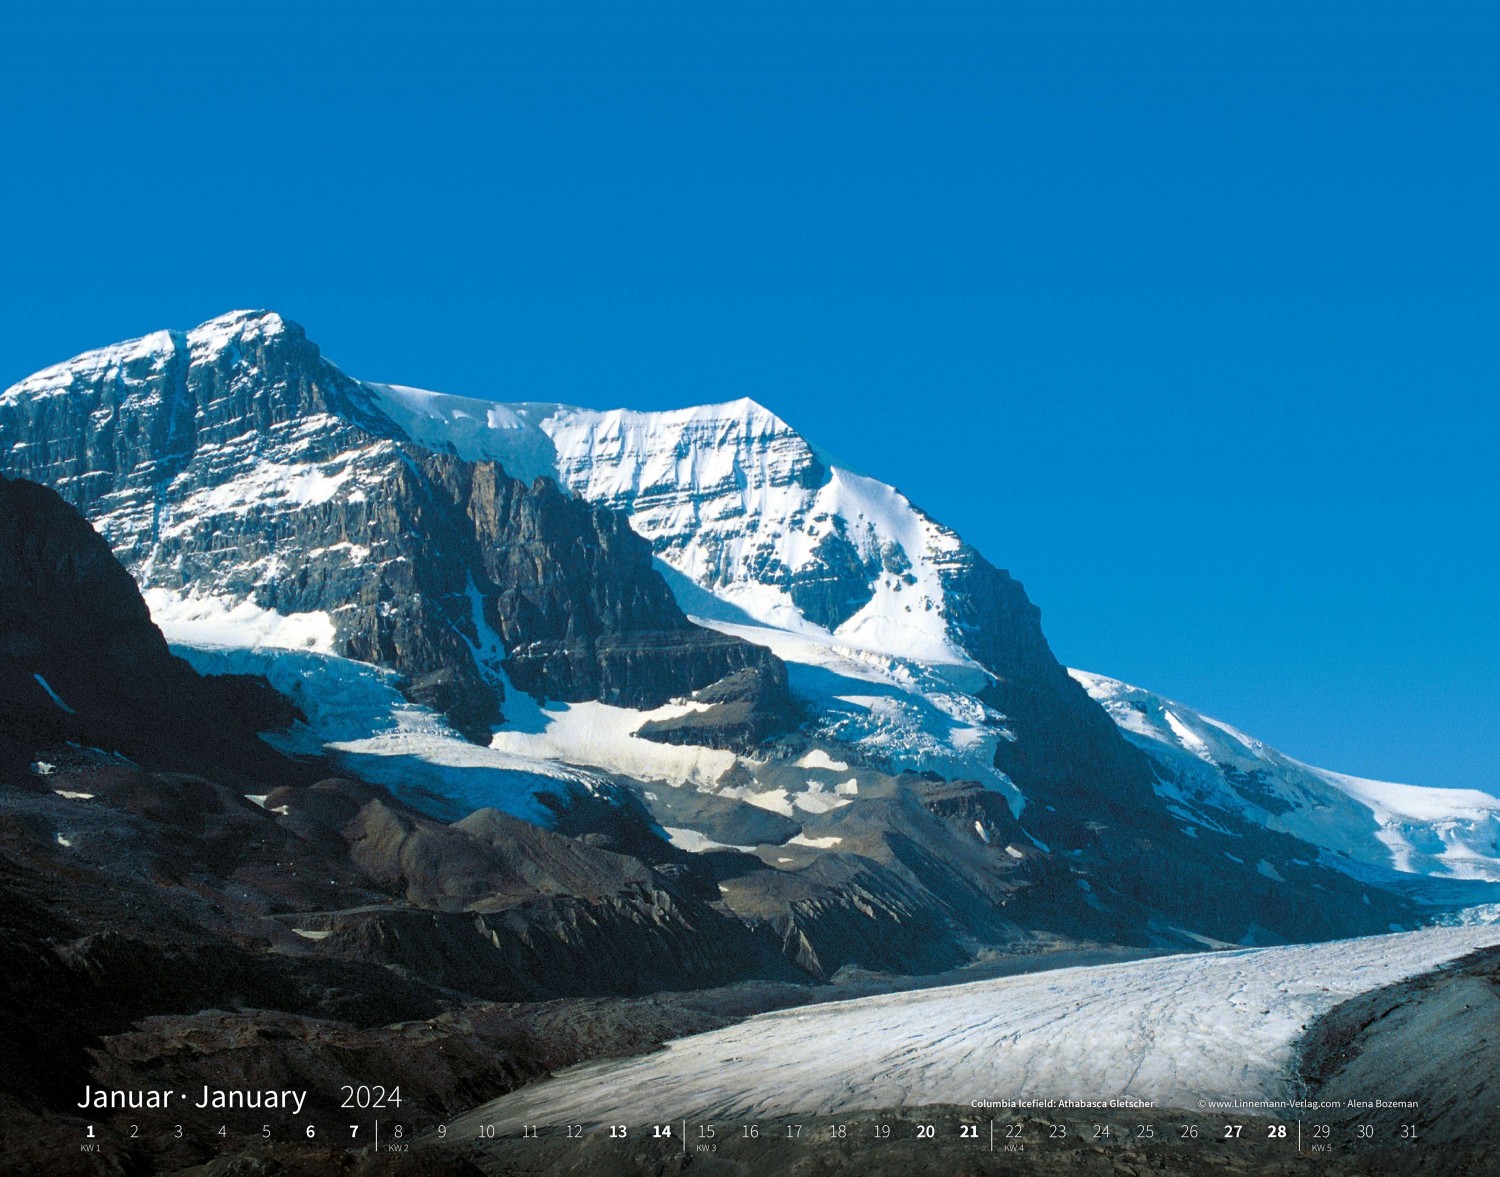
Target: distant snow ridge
column 1217, row 1025
column 1208, row 765
column 472, row 429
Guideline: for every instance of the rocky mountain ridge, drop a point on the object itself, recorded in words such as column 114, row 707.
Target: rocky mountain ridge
column 233, row 462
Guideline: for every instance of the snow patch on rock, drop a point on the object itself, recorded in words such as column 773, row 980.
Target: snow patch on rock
column 215, row 620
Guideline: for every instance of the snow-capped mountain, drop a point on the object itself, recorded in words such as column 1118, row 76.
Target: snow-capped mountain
column 234, row 470
column 909, row 642
column 731, row 497
column 785, row 658
column 1208, row 767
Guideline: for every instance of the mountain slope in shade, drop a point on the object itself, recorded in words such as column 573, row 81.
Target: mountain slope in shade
column 1208, row 767
column 81, row 663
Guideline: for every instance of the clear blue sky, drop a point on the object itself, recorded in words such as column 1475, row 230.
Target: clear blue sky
column 1185, row 313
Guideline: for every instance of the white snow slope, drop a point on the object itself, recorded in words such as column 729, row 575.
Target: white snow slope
column 722, row 493
column 356, row 715
column 1206, row 764
column 1173, row 1030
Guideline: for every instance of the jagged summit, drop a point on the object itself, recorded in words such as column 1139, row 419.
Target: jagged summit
column 233, row 466
column 209, row 338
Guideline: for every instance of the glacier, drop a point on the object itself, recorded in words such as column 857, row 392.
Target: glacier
column 1173, row 1030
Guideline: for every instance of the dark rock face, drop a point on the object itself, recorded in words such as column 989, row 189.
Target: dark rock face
column 81, row 661
column 842, row 912
column 745, row 709
column 835, row 585
column 1070, row 753
column 580, row 608
column 1090, row 792
column 498, row 908
column 1430, row 1039
column 235, row 461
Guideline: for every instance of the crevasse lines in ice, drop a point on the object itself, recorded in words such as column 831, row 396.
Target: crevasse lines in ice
column 1171, row 1029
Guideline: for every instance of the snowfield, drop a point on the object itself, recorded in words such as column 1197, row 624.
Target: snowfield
column 1204, row 762
column 220, row 621
column 1172, row 1030
column 356, row 716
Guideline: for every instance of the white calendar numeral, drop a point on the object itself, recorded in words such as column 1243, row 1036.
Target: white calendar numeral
column 619, row 1132
column 968, row 1131
column 882, row 1131
column 926, row 1131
